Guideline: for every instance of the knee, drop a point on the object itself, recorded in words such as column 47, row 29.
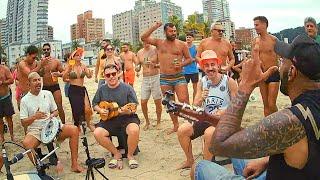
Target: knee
column 144, row 103
column 26, row 143
column 133, row 129
column 185, row 130
column 99, row 133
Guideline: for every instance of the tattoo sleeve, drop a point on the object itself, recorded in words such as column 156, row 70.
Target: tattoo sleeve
column 272, row 135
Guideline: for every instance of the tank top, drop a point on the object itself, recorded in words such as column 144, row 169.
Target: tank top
column 219, row 94
column 307, row 109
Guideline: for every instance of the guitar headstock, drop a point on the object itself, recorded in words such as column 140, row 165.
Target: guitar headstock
column 166, row 101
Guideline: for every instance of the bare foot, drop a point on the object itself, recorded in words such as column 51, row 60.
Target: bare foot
column 158, row 126
column 59, row 167
column 175, row 129
column 77, row 169
column 146, row 127
column 185, row 165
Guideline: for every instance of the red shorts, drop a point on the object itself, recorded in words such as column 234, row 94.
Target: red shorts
column 129, row 76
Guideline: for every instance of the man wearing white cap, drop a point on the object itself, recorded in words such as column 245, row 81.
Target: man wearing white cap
column 214, row 92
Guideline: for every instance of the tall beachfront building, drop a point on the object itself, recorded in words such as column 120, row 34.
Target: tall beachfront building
column 3, row 32
column 26, row 21
column 87, row 27
column 215, row 10
column 129, row 25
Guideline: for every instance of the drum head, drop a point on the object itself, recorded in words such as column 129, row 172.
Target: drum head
column 50, row 130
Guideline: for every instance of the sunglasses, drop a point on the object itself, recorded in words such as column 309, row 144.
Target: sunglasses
column 110, row 74
column 46, row 49
column 219, row 30
column 109, row 49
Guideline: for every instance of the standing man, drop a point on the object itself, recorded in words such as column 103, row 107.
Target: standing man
column 311, row 28
column 98, row 75
column 128, row 58
column 191, row 71
column 26, row 66
column 51, row 69
column 171, row 51
column 6, row 107
column 270, row 87
column 220, row 46
column 147, row 56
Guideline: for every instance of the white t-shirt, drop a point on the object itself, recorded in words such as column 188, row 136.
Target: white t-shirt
column 30, row 104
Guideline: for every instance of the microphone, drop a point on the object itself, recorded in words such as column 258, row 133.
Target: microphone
column 19, row 156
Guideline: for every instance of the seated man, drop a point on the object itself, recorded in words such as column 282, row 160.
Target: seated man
column 35, row 108
column 214, row 92
column 115, row 91
column 290, row 137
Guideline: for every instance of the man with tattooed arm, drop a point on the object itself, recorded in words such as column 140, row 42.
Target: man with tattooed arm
column 290, row 137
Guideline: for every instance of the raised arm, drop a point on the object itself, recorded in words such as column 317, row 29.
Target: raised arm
column 186, row 55
column 146, row 36
column 199, row 51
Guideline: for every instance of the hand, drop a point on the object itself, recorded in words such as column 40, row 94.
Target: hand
column 252, row 74
column 55, row 74
column 90, row 72
column 125, row 111
column 158, row 24
column 103, row 112
column 177, row 65
column 40, row 115
column 254, row 168
column 205, row 93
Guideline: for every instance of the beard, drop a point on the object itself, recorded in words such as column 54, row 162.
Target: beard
column 284, row 84
column 171, row 38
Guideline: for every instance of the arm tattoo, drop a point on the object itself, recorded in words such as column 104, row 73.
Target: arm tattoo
column 272, row 135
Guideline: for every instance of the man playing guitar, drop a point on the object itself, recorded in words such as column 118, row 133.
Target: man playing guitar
column 214, row 92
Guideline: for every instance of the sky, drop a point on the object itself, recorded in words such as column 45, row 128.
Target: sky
column 281, row 14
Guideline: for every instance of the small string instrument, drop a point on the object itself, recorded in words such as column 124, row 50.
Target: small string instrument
column 191, row 113
column 113, row 109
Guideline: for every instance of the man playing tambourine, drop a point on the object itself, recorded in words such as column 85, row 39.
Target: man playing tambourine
column 116, row 92
column 36, row 108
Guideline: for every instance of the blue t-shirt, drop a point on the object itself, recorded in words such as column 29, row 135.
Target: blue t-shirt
column 191, row 68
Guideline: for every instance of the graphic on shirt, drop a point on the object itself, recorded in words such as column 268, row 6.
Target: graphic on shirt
column 213, row 103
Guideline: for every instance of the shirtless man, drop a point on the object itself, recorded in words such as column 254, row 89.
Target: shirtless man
column 51, row 69
column 128, row 58
column 6, row 107
column 26, row 66
column 220, row 46
column 100, row 66
column 270, row 87
column 170, row 54
column 147, row 58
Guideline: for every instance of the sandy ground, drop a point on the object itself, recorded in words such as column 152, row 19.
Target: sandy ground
column 160, row 153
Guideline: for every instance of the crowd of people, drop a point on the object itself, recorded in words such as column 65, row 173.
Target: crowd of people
column 284, row 144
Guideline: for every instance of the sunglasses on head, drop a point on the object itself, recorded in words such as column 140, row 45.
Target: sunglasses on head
column 110, row 74
column 46, row 49
column 219, row 30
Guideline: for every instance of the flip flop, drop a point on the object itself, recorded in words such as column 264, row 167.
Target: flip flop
column 133, row 164
column 115, row 163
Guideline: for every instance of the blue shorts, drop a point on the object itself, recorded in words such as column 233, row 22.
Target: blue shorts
column 206, row 170
column 172, row 80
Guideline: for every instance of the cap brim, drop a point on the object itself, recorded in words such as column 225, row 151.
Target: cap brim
column 283, row 49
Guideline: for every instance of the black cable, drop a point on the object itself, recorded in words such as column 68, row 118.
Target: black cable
column 10, row 142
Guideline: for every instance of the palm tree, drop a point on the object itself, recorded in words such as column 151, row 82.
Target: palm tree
column 116, row 42
column 75, row 44
column 177, row 23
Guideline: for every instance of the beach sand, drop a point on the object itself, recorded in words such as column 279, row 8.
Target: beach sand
column 160, row 153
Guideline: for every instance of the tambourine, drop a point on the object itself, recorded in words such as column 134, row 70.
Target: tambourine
column 51, row 130
column 112, row 107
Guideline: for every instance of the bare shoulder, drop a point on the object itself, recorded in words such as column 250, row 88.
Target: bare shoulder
column 273, row 38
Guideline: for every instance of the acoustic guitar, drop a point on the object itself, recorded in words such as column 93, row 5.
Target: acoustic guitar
column 114, row 109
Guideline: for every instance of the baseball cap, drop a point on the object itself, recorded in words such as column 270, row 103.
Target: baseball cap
column 209, row 55
column 304, row 52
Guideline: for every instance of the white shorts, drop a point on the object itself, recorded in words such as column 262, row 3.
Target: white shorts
column 151, row 85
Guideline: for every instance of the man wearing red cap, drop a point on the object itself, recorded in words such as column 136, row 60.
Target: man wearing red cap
column 214, row 92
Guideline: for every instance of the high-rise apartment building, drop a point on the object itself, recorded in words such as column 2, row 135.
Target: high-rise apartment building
column 3, row 32
column 215, row 10
column 229, row 28
column 27, row 21
column 87, row 27
column 50, row 33
column 129, row 25
column 245, row 36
